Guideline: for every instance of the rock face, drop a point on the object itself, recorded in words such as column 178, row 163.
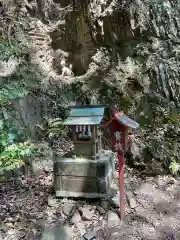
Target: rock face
column 141, row 55
column 127, row 51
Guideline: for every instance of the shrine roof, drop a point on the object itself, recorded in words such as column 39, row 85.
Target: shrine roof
column 125, row 120
column 85, row 115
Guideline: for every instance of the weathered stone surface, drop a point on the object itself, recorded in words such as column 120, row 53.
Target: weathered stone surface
column 101, row 210
column 67, row 208
column 115, row 201
column 77, row 184
column 52, row 201
column 83, row 177
column 104, row 184
column 113, row 219
column 76, row 168
column 86, row 213
column 81, row 227
column 85, row 149
column 76, row 218
column 105, row 204
column 58, row 232
column 131, row 201
column 85, row 167
column 89, row 236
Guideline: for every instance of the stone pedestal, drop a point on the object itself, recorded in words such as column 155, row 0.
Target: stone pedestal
column 82, row 177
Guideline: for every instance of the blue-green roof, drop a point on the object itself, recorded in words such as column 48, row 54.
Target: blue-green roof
column 85, row 115
column 86, row 112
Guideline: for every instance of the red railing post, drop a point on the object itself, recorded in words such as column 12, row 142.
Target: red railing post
column 120, row 155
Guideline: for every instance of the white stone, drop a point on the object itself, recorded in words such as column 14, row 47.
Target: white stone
column 113, row 219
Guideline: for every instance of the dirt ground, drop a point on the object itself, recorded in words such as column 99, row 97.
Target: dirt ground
column 28, row 208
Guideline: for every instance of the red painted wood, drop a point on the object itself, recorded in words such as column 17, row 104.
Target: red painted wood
column 115, row 126
column 120, row 156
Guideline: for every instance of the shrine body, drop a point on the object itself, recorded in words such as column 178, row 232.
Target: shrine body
column 88, row 170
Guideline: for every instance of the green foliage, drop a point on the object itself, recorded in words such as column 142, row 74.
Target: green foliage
column 12, row 48
column 6, row 50
column 174, row 167
column 12, row 152
column 11, row 92
column 52, row 128
column 13, row 156
column 17, row 84
column 41, row 149
column 171, row 117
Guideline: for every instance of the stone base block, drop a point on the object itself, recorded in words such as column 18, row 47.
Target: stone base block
column 84, row 177
column 71, row 194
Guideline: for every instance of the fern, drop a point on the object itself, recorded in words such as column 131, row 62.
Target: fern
column 52, row 128
column 174, row 167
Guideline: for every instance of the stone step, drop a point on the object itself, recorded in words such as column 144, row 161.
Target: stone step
column 37, row 34
column 37, row 38
column 40, row 42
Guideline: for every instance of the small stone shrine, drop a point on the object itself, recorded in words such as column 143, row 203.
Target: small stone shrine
column 86, row 171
